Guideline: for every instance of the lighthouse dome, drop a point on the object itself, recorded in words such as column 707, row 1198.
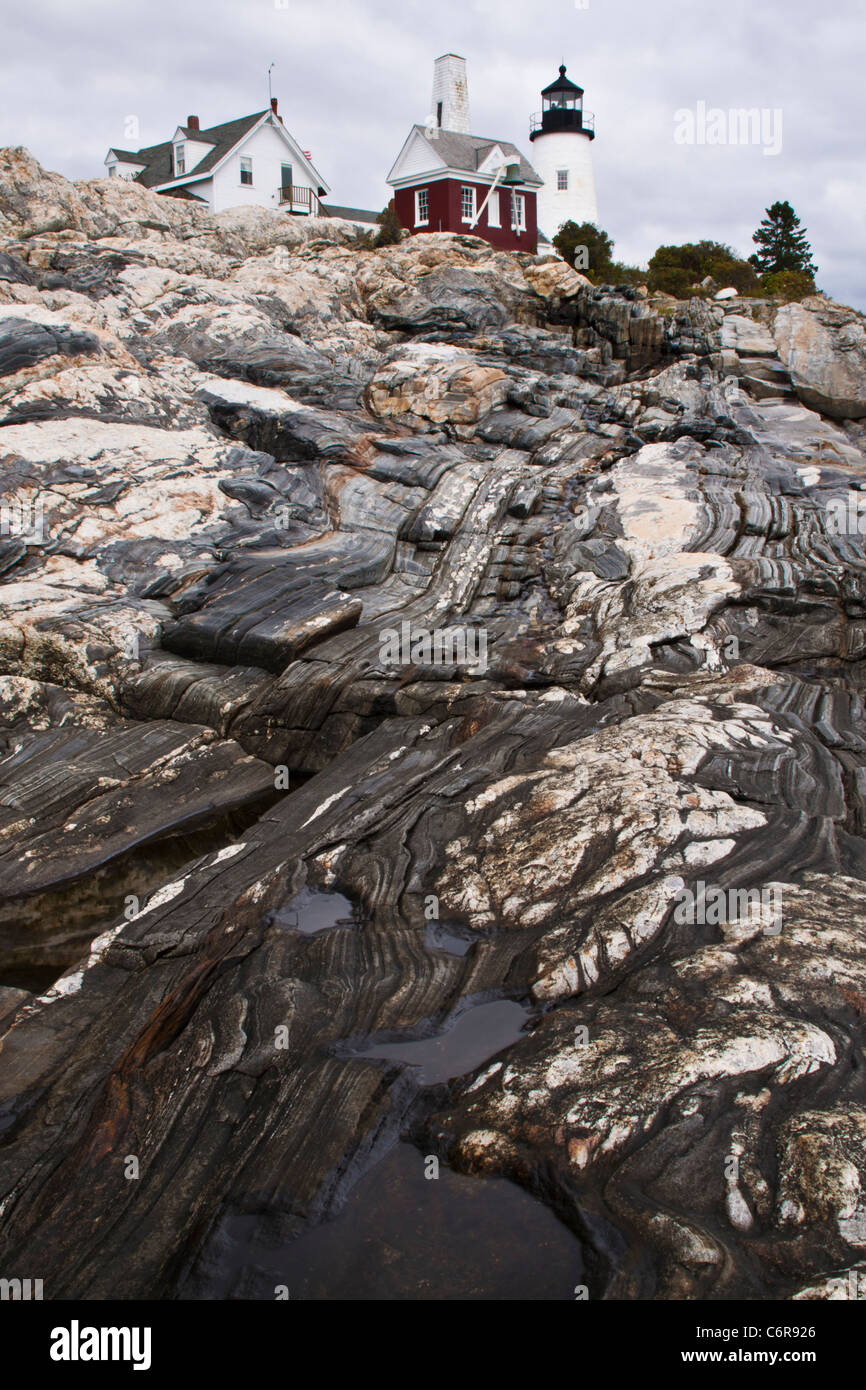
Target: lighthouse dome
column 562, row 84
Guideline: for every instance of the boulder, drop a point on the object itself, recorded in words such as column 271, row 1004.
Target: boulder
column 426, row 386
column 747, row 337
column 823, row 345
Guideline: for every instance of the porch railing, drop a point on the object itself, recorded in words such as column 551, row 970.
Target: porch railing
column 301, row 201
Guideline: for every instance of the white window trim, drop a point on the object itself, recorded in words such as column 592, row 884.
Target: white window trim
column 518, row 212
column 494, row 218
column 561, row 187
column 179, row 158
column 245, row 159
column 468, row 188
column 419, row 220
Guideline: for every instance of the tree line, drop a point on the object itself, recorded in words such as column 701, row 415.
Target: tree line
column 781, row 266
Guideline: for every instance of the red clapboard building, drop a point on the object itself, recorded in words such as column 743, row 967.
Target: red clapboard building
column 447, row 180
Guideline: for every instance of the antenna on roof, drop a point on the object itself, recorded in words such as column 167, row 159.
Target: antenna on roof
column 270, row 98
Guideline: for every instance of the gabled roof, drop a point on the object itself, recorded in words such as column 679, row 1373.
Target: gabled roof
column 468, row 152
column 157, row 159
column 193, row 133
column 484, row 155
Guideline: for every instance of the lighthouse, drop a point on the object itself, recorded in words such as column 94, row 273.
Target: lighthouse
column 562, row 134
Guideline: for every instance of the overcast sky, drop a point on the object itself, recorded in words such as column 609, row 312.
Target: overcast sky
column 352, row 75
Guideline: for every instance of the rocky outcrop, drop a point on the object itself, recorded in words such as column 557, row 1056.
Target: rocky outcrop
column 424, row 387
column 430, row 710
column 823, row 345
column 623, row 323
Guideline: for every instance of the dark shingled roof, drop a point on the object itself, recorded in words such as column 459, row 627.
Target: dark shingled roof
column 469, row 152
column 185, row 195
column 157, row 159
column 352, row 214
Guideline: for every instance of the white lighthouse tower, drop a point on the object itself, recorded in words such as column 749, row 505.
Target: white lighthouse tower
column 562, row 135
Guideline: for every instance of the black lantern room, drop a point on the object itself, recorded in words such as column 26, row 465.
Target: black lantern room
column 562, row 109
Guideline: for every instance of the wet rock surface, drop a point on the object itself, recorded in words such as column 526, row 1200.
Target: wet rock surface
column 297, row 902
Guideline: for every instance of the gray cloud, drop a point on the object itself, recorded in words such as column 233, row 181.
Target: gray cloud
column 352, row 75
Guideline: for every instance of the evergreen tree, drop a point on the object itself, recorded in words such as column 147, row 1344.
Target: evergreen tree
column 782, row 243
column 587, row 248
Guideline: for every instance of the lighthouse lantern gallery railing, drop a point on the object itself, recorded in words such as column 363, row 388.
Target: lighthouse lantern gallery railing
column 562, row 118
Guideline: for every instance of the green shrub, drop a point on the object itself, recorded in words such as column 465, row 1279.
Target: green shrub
column 788, row 284
column 739, row 274
column 390, row 232
column 621, row 274
column 671, row 280
column 679, row 270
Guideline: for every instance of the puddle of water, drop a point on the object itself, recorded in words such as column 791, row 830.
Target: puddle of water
column 35, row 978
column 313, row 909
column 401, row 1235
column 479, row 1032
column 44, row 934
column 444, row 936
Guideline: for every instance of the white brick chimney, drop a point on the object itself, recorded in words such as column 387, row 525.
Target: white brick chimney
column 450, row 106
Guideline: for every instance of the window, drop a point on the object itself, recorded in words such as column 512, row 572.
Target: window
column 518, row 212
column 112, row 171
column 422, row 207
column 286, row 179
column 467, row 204
column 493, row 210
column 562, row 179
column 246, row 170
column 179, row 161
column 438, row 113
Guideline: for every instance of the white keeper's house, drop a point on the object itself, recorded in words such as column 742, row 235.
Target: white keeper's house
column 251, row 160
